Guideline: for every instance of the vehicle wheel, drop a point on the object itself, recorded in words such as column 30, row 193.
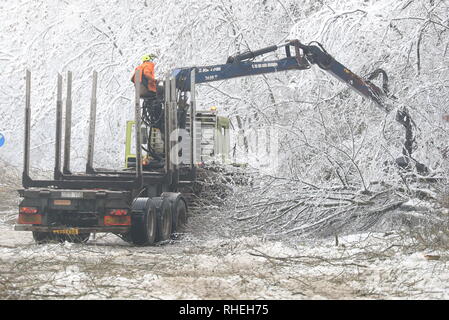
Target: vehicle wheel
column 46, row 237
column 180, row 208
column 144, row 222
column 165, row 220
column 179, row 211
column 78, row 238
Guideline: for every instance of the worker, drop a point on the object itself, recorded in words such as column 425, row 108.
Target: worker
column 152, row 114
column 147, row 79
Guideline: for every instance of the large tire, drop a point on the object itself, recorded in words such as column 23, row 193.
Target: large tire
column 164, row 218
column 46, row 237
column 144, row 222
column 179, row 211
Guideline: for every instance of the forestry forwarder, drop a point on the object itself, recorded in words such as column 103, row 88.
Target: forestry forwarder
column 142, row 203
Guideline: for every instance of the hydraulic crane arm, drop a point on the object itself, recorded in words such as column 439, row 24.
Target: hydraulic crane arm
column 304, row 56
column 241, row 66
column 316, row 54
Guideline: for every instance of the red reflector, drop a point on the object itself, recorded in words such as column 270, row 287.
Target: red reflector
column 117, row 220
column 29, row 218
column 27, row 210
column 118, row 212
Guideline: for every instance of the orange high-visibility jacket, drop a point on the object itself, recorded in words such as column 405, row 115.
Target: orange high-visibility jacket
column 147, row 69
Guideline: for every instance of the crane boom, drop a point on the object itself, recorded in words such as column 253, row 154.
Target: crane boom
column 242, row 65
column 303, row 57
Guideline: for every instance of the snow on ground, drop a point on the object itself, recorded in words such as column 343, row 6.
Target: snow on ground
column 204, row 264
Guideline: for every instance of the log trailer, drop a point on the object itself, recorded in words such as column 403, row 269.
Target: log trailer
column 144, row 203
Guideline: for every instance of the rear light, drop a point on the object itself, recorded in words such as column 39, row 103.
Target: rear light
column 117, row 220
column 27, row 210
column 118, row 212
column 27, row 215
column 25, row 218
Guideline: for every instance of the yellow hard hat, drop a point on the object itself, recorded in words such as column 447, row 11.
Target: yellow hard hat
column 148, row 57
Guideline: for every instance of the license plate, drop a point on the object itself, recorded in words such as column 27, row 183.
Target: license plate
column 62, row 202
column 71, row 194
column 66, row 231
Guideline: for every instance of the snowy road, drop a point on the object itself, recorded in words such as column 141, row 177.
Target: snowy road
column 209, row 264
